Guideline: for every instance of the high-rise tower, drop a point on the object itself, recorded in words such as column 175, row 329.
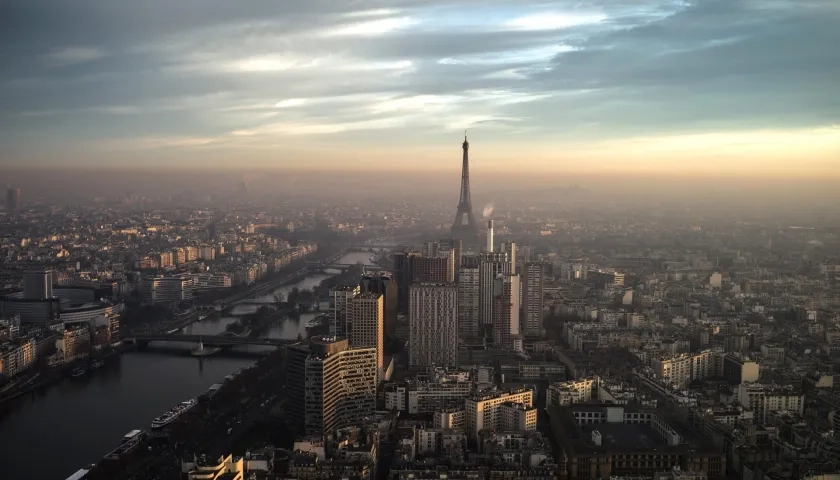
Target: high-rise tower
column 464, row 225
column 433, row 319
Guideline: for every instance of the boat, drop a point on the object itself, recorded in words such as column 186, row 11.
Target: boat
column 96, row 364
column 316, row 322
column 78, row 372
column 129, row 442
column 172, row 414
column 212, row 391
column 200, row 351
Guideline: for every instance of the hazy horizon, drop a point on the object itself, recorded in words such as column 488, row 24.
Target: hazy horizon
column 709, row 87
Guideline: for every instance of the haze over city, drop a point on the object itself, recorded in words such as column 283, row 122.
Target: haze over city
column 741, row 88
column 420, row 239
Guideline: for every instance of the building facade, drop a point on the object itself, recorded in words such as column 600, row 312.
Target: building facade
column 484, row 409
column 366, row 314
column 330, row 385
column 491, row 265
column 433, row 322
column 533, row 280
column 341, row 296
column 385, row 284
column 468, row 304
column 506, row 326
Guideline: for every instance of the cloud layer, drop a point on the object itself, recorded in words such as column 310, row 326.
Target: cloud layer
column 587, row 79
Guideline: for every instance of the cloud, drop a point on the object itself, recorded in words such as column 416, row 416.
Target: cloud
column 72, row 55
column 237, row 75
column 372, row 28
column 553, row 21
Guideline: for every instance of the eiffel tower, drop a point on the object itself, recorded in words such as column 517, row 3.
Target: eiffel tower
column 464, row 227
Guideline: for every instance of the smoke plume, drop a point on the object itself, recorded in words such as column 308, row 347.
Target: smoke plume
column 488, row 210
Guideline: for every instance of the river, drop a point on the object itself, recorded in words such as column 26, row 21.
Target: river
column 54, row 432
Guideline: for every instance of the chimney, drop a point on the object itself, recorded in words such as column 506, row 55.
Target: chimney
column 490, row 236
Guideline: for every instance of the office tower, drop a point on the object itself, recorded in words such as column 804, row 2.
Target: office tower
column 525, row 253
column 384, row 284
column 489, row 247
column 37, row 284
column 457, row 245
column 341, row 296
column 468, row 288
column 430, row 249
column 13, row 199
column 533, row 279
column 464, row 225
column 440, row 269
column 506, row 327
column 329, row 385
column 490, row 266
column 402, row 271
column 510, row 249
column 366, row 314
column 433, row 319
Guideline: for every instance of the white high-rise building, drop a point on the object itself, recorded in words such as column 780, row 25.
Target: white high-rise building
column 433, row 321
column 490, row 266
column 330, row 385
column 506, row 326
column 468, row 303
column 533, row 280
column 366, row 314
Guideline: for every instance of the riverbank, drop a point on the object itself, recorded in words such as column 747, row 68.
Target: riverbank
column 132, row 389
column 54, row 375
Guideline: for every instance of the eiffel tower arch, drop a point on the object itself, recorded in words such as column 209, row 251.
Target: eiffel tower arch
column 464, row 226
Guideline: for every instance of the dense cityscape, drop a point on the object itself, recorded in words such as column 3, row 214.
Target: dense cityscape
column 588, row 340
column 419, row 240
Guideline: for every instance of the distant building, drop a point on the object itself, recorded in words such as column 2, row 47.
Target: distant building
column 17, row 356
column 37, row 284
column 330, row 385
column 468, row 301
column 13, row 199
column 172, row 288
column 384, row 284
column 433, row 320
column 533, row 281
column 604, row 440
column 224, row 467
column 484, row 410
column 506, row 326
column 341, row 296
column 438, row 269
column 491, row 265
column 765, row 398
column 403, row 262
column 366, row 314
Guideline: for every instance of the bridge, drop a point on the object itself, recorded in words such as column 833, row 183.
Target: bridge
column 345, row 266
column 210, row 340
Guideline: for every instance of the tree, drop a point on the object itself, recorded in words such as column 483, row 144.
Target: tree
column 293, row 297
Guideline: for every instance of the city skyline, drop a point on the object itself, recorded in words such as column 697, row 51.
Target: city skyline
column 671, row 88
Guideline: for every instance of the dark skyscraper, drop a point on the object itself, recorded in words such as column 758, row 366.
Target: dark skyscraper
column 13, row 199
column 403, row 273
column 464, row 225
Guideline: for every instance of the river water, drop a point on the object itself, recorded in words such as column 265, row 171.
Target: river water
column 54, row 432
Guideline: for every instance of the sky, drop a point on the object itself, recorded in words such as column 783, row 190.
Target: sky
column 701, row 87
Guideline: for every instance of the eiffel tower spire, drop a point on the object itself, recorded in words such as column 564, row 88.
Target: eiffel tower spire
column 464, row 226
